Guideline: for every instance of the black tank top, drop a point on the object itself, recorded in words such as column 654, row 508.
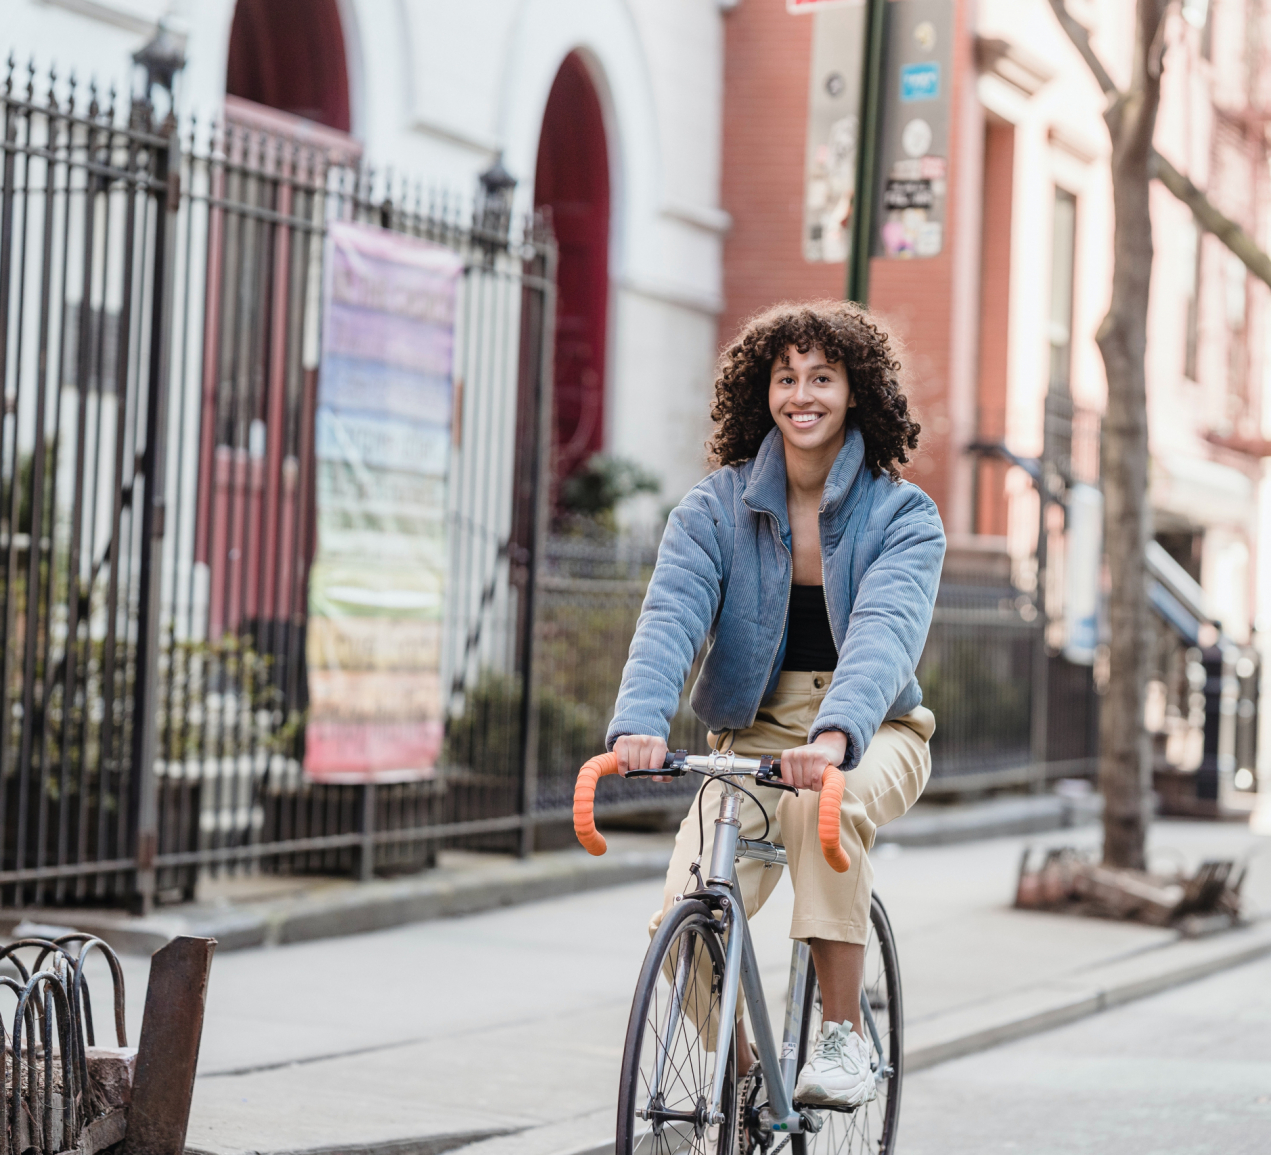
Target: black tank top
column 810, row 645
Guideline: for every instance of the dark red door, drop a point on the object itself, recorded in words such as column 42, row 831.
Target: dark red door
column 289, row 55
column 572, row 181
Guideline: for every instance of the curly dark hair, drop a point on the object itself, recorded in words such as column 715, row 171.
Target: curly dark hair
column 849, row 337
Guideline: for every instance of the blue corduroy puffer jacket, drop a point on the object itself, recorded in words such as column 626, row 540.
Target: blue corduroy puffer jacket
column 723, row 575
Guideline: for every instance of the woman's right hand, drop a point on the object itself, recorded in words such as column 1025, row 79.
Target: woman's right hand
column 641, row 752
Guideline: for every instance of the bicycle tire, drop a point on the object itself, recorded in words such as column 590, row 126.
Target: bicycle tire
column 685, row 925
column 871, row 1128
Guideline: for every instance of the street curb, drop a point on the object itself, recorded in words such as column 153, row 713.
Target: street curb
column 1032, row 1011
column 995, row 818
column 429, row 1145
column 355, row 908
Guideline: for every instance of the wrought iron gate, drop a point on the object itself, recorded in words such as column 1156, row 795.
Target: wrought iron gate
column 159, row 328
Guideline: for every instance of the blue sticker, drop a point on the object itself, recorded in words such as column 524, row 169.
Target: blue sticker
column 920, row 81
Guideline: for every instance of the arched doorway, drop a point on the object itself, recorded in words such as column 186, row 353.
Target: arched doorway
column 572, row 181
column 289, row 55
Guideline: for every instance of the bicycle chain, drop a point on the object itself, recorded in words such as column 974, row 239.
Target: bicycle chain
column 747, row 1090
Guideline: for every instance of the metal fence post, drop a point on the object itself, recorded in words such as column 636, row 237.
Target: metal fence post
column 1039, row 718
column 143, row 795
column 366, row 855
column 540, row 480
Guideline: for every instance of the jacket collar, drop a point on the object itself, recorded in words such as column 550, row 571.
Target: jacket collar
column 765, row 492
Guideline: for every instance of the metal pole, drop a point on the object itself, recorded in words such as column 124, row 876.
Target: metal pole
column 366, row 855
column 867, row 152
column 1039, row 719
column 144, row 794
column 545, row 267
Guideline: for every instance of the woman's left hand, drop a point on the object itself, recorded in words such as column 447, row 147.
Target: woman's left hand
column 804, row 766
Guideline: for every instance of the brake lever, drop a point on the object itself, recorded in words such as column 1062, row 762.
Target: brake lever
column 769, row 774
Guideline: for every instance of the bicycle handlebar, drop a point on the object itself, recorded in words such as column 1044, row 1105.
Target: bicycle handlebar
column 828, row 807
column 585, row 798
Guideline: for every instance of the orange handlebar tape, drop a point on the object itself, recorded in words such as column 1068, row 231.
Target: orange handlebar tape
column 585, row 797
column 832, row 785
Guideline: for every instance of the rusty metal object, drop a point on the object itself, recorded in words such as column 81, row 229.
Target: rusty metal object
column 1068, row 881
column 169, row 1048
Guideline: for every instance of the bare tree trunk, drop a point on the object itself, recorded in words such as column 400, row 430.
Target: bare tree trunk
column 1124, row 767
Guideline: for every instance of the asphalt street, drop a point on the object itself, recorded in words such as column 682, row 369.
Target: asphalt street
column 1187, row 1072
column 512, row 1021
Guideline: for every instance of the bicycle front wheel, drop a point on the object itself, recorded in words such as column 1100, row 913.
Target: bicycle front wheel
column 670, row 1059
column 871, row 1128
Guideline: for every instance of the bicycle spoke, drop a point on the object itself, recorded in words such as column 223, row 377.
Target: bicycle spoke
column 675, row 1072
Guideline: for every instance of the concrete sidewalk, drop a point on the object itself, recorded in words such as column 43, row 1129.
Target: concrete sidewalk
column 268, row 910
column 501, row 1033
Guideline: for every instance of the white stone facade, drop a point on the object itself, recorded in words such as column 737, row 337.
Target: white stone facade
column 437, row 89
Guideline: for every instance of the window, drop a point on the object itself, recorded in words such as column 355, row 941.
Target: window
column 1063, row 238
column 1191, row 270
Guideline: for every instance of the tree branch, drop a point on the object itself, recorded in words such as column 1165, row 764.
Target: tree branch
column 1081, row 41
column 1209, row 218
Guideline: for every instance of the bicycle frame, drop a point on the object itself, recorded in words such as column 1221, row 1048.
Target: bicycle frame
column 741, row 974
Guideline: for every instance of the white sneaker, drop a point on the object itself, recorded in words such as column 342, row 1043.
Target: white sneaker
column 837, row 1074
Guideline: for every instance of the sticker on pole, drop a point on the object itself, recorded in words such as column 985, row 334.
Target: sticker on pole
column 913, row 151
column 920, row 81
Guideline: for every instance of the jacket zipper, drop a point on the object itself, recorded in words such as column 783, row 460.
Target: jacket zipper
column 827, row 608
column 786, row 612
column 824, row 592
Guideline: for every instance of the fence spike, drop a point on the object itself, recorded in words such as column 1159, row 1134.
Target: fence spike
column 94, row 108
column 72, row 83
column 8, row 73
column 30, row 79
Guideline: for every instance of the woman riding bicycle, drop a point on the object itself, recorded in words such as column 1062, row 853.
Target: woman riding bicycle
column 811, row 568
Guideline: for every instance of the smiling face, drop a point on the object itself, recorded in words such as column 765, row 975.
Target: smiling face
column 809, row 397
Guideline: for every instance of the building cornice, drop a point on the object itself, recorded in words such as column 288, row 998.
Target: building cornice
column 712, row 220
column 668, row 294
column 1021, row 70
column 105, row 14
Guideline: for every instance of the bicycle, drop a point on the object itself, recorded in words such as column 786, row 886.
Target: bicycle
column 678, row 1090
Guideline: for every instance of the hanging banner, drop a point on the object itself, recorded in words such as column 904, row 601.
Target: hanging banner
column 914, row 139
column 382, row 444
column 834, row 105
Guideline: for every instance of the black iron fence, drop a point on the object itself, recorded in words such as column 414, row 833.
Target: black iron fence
column 84, row 246
column 160, row 308
column 979, row 676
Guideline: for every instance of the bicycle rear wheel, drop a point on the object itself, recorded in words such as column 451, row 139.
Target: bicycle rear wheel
column 669, row 1062
column 871, row 1128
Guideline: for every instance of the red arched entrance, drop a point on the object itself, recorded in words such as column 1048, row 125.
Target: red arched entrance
column 289, row 54
column 572, row 180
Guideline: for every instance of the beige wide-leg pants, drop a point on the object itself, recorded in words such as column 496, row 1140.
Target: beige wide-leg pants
column 885, row 784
